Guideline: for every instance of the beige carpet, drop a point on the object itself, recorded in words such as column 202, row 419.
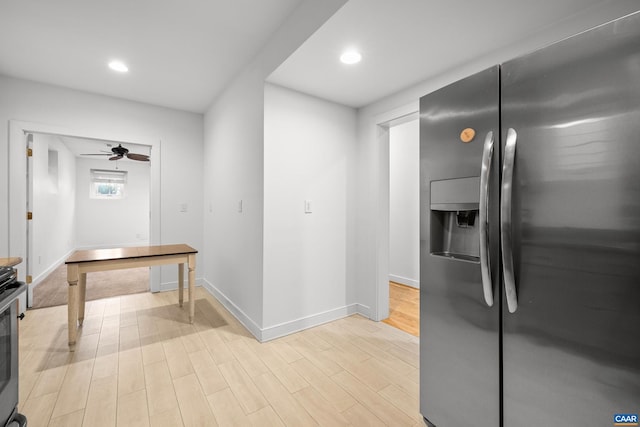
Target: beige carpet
column 53, row 290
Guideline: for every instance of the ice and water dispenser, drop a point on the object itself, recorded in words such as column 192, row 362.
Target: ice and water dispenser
column 454, row 221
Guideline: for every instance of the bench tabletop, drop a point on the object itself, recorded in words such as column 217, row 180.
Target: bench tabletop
column 88, row 255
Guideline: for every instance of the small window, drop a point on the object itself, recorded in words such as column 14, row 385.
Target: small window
column 106, row 184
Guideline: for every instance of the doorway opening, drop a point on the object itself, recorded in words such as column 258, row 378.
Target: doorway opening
column 404, row 225
column 59, row 170
column 80, row 199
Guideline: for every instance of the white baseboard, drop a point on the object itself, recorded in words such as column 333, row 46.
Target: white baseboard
column 307, row 322
column 234, row 310
column 405, row 281
column 286, row 328
column 36, row 280
column 364, row 310
column 173, row 286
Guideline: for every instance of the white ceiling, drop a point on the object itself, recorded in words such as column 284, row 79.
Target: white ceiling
column 181, row 54
column 404, row 42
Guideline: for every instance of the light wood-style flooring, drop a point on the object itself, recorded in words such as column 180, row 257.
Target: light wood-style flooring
column 140, row 363
column 404, row 308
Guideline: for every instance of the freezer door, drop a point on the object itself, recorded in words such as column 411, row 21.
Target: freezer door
column 571, row 348
column 459, row 320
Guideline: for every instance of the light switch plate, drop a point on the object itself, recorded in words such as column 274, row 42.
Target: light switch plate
column 308, row 208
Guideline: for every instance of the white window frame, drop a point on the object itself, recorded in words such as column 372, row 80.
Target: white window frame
column 115, row 180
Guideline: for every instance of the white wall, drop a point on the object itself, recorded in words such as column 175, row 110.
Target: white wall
column 53, row 224
column 308, row 155
column 180, row 158
column 112, row 222
column 372, row 269
column 404, row 203
column 233, row 171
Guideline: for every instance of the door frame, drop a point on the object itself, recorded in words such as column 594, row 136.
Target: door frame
column 18, row 188
column 383, row 122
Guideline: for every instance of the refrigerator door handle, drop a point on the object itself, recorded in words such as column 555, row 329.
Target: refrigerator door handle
column 485, row 258
column 505, row 220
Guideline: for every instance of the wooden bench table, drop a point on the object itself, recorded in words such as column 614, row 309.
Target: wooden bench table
column 85, row 261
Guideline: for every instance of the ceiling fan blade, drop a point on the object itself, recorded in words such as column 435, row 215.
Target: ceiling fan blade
column 115, row 158
column 96, row 154
column 140, row 157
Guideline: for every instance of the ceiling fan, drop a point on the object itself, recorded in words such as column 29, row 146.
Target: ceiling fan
column 119, row 152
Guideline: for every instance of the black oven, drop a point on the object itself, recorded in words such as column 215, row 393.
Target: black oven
column 9, row 355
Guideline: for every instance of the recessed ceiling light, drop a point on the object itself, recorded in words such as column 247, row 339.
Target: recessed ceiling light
column 350, row 57
column 118, row 66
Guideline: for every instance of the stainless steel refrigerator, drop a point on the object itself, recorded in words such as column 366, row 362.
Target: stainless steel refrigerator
column 530, row 238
